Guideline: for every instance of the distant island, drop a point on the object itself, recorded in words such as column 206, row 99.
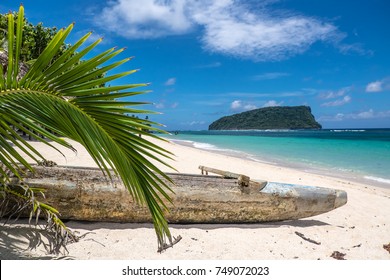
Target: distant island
column 280, row 117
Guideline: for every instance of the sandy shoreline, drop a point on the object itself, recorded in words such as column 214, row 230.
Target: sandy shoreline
column 358, row 229
column 321, row 171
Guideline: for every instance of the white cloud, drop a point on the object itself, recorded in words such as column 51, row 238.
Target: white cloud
column 197, row 123
column 374, row 86
column 334, row 94
column 192, row 123
column 339, row 102
column 272, row 103
column 364, row 115
column 238, row 105
column 370, row 114
column 353, row 48
column 379, row 85
column 229, row 27
column 249, row 107
column 149, row 19
column 170, row 82
column 232, row 29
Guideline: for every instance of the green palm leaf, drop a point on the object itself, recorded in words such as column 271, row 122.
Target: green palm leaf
column 62, row 97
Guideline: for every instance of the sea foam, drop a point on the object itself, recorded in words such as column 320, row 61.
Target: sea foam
column 378, row 179
column 205, row 146
column 348, row 130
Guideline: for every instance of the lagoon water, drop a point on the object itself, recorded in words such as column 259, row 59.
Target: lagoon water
column 359, row 154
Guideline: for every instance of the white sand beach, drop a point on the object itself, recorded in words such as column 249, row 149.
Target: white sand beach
column 359, row 229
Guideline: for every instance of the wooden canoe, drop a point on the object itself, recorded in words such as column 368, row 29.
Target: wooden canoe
column 85, row 194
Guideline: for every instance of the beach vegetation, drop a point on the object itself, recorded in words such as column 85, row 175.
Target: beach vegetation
column 59, row 97
column 35, row 38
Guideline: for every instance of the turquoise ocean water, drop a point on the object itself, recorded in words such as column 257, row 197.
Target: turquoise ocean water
column 358, row 154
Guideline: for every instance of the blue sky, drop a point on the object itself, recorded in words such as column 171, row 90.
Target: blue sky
column 207, row 59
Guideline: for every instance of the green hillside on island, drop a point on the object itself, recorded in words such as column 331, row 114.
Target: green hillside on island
column 280, row 117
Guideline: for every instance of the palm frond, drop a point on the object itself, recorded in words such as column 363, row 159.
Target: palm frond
column 62, row 97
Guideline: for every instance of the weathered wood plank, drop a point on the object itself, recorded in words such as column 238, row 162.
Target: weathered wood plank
column 85, row 194
column 244, row 181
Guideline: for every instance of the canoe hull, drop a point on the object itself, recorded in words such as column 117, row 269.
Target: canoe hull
column 85, row 194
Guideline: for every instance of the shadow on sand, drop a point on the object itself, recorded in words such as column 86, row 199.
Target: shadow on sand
column 23, row 242
column 108, row 225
